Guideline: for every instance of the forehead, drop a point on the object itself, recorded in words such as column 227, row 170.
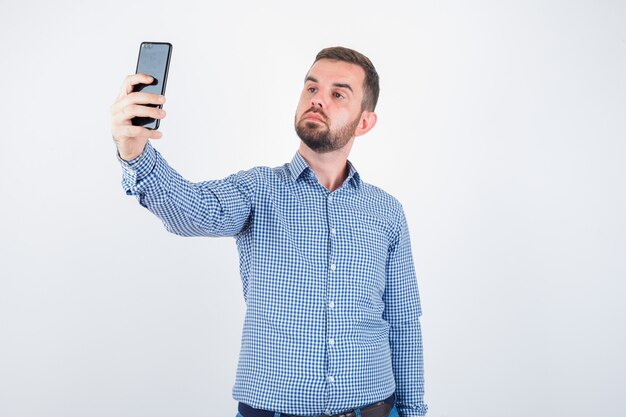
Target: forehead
column 327, row 71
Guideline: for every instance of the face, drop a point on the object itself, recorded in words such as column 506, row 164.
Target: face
column 329, row 111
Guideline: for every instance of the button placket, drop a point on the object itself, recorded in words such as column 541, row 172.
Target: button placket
column 332, row 265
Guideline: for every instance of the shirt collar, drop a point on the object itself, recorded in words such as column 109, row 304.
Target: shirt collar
column 299, row 165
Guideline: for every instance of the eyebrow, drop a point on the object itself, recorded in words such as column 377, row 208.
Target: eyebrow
column 340, row 85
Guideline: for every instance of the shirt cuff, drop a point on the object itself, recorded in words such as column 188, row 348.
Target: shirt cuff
column 412, row 412
column 138, row 168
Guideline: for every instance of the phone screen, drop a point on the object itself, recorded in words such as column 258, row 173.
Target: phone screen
column 154, row 60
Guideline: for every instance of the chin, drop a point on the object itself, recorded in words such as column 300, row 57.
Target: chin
column 313, row 125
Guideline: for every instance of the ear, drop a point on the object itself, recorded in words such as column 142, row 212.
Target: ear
column 366, row 123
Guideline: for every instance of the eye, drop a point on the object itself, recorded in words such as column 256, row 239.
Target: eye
column 338, row 95
column 311, row 90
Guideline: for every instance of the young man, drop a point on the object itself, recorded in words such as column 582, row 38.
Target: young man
column 332, row 303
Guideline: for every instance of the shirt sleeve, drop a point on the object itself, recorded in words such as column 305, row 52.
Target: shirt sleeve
column 402, row 311
column 210, row 208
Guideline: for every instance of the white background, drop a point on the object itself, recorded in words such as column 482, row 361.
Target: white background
column 501, row 129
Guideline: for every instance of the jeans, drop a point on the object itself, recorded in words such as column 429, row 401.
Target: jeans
column 392, row 413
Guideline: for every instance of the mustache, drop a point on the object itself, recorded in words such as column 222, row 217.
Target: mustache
column 316, row 110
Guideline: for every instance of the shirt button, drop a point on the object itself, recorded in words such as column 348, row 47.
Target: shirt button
column 331, row 341
column 333, row 231
column 333, row 267
column 330, row 379
column 330, row 198
column 331, row 304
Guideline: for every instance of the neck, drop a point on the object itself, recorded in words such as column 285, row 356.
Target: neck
column 331, row 168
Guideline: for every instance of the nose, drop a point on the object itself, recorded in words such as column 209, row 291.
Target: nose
column 316, row 101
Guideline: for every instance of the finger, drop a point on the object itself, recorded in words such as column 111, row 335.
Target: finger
column 131, row 80
column 146, row 98
column 137, row 98
column 128, row 112
column 155, row 134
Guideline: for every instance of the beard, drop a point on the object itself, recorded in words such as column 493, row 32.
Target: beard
column 320, row 138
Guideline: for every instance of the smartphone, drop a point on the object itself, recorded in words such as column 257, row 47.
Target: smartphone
column 154, row 60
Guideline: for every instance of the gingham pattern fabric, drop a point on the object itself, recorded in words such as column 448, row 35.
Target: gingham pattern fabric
column 332, row 318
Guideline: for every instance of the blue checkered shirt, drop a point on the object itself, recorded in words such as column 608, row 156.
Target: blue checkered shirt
column 332, row 317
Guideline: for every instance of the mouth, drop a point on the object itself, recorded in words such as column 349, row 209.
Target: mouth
column 313, row 117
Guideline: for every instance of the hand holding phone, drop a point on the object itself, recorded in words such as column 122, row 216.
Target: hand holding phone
column 136, row 113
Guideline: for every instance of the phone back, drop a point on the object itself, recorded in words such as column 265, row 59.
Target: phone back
column 154, row 60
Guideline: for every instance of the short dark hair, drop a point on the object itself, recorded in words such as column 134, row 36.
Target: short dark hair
column 371, row 88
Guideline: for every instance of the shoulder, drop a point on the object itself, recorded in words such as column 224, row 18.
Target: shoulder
column 260, row 176
column 381, row 200
column 255, row 173
column 393, row 211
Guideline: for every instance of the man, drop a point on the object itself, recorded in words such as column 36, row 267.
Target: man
column 332, row 304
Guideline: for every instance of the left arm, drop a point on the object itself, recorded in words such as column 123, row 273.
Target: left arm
column 402, row 311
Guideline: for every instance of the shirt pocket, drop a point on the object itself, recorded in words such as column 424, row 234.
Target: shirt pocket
column 367, row 253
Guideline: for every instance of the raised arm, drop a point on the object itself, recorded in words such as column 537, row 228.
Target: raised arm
column 210, row 208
